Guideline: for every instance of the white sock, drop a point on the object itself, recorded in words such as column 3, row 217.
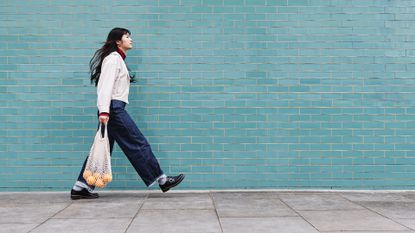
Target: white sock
column 162, row 179
column 76, row 188
column 79, row 186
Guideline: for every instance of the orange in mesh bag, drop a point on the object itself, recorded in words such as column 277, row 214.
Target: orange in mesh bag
column 98, row 167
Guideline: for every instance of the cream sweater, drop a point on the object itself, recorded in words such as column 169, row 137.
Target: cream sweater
column 114, row 82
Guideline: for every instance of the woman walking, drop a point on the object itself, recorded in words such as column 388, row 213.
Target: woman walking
column 111, row 76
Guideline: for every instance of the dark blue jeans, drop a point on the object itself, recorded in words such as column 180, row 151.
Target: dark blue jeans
column 124, row 131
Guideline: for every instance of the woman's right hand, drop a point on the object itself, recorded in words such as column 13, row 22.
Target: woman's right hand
column 104, row 119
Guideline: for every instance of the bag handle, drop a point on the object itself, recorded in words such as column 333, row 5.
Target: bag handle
column 102, row 127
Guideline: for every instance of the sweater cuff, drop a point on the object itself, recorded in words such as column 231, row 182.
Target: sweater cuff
column 104, row 114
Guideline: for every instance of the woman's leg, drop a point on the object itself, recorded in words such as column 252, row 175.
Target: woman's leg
column 135, row 146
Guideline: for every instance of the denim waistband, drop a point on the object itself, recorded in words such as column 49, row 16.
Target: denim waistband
column 117, row 104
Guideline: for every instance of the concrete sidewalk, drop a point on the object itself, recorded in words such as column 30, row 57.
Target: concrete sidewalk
column 210, row 211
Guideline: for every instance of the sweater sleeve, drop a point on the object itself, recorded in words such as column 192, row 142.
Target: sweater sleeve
column 109, row 72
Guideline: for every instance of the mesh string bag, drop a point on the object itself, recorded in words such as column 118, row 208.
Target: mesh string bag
column 98, row 167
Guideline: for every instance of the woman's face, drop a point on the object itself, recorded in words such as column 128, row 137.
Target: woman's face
column 125, row 43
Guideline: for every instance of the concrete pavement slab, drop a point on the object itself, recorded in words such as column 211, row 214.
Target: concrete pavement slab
column 376, row 196
column 119, row 196
column 250, row 206
column 174, row 221
column 179, row 201
column 114, row 225
column 408, row 222
column 409, row 195
column 367, row 231
column 91, row 209
column 392, row 210
column 318, row 201
column 29, row 213
column 16, row 228
column 12, row 198
column 266, row 225
column 350, row 220
column 245, row 194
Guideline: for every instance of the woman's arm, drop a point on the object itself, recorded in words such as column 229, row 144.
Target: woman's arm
column 109, row 72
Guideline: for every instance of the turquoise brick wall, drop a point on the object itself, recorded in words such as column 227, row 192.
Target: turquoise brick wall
column 310, row 94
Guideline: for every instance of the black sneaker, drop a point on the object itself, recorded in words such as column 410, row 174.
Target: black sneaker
column 83, row 194
column 171, row 182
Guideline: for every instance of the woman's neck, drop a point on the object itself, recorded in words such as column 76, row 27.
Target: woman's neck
column 122, row 53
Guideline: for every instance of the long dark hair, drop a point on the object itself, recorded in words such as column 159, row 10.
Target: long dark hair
column 109, row 46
